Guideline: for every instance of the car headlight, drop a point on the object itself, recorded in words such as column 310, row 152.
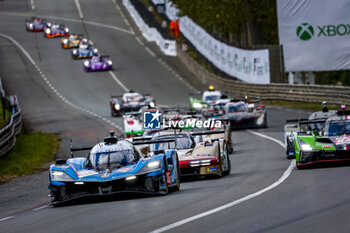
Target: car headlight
column 86, row 63
column 65, row 41
column 48, row 24
column 197, row 105
column 304, row 146
column 95, row 50
column 109, row 62
column 66, row 30
column 60, row 176
column 117, row 106
column 75, row 51
column 152, row 104
column 31, row 25
column 48, row 31
column 151, row 166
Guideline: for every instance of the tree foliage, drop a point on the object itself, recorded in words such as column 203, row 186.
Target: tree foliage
column 228, row 19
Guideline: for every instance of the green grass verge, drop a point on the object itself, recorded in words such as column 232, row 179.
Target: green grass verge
column 301, row 105
column 28, row 156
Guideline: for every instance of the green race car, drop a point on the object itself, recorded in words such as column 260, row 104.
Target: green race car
column 329, row 145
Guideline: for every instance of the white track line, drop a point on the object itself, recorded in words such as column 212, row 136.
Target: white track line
column 7, row 218
column 235, row 202
column 79, row 9
column 41, row 207
column 58, row 94
column 150, row 51
column 32, row 4
column 118, row 81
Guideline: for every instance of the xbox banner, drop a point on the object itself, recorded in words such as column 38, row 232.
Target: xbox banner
column 315, row 34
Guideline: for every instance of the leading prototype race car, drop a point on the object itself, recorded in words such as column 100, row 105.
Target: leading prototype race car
column 73, row 41
column 211, row 101
column 330, row 145
column 98, row 63
column 297, row 125
column 113, row 166
column 130, row 102
column 56, row 30
column 204, row 158
column 36, row 24
column 85, row 50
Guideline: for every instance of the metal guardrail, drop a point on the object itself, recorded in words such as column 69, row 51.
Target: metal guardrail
column 276, row 91
column 11, row 130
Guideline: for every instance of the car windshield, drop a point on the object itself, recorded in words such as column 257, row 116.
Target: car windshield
column 338, row 128
column 134, row 98
column 211, row 97
column 182, row 142
column 95, row 59
column 241, row 107
column 113, row 159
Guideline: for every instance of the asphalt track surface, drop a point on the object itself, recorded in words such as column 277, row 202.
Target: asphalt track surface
column 316, row 200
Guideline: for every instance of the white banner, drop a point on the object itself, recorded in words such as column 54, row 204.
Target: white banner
column 247, row 65
column 168, row 47
column 315, row 34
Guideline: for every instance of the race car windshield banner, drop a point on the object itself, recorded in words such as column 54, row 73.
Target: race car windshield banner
column 315, row 34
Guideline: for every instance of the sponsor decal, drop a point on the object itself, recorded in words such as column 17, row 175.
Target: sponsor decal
column 203, row 155
column 124, row 169
column 213, row 169
column 326, row 146
column 306, row 31
column 86, row 173
column 342, row 140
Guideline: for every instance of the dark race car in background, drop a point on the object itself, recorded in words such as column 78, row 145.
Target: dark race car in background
column 56, row 30
column 73, row 41
column 243, row 114
column 86, row 49
column 98, row 63
column 130, row 102
column 36, row 24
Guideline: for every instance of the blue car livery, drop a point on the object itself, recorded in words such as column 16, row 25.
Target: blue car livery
column 113, row 166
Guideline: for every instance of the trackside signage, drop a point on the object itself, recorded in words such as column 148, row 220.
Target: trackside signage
column 315, row 34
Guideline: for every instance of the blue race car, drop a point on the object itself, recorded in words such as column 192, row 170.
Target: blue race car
column 114, row 166
column 85, row 50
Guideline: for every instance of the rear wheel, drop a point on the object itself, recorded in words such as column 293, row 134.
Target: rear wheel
column 228, row 162
column 177, row 187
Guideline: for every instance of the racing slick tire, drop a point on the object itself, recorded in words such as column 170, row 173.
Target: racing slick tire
column 228, row 161
column 177, row 187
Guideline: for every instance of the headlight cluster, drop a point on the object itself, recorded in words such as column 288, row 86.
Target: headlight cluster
column 60, row 176
column 151, row 166
column 65, row 41
column 304, row 146
column 48, row 31
column 31, row 25
column 86, row 63
column 109, row 62
column 197, row 105
column 117, row 107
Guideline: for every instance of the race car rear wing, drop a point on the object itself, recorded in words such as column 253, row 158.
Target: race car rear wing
column 207, row 132
column 296, row 120
column 147, row 141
